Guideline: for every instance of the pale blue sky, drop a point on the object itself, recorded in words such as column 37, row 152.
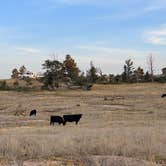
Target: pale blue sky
column 107, row 32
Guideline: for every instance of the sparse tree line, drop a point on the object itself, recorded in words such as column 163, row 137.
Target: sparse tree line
column 68, row 73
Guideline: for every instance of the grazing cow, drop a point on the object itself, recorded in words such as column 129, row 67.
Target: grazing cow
column 56, row 119
column 33, row 113
column 163, row 95
column 72, row 118
column 105, row 98
column 87, row 87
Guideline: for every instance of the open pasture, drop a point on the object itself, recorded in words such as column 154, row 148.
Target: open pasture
column 127, row 120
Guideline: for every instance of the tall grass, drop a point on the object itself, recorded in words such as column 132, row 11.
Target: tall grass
column 143, row 143
column 130, row 123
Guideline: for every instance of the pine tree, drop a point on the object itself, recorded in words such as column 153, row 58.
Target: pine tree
column 70, row 68
column 92, row 73
column 22, row 69
column 15, row 73
column 53, row 74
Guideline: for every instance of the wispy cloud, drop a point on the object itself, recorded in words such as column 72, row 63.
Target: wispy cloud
column 112, row 59
column 132, row 9
column 155, row 5
column 149, row 5
column 27, row 50
column 116, row 52
column 157, row 36
column 85, row 2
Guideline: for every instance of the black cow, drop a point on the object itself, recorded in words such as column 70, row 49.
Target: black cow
column 163, row 95
column 56, row 119
column 33, row 113
column 72, row 118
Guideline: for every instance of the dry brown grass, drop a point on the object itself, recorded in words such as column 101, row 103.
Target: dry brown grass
column 130, row 123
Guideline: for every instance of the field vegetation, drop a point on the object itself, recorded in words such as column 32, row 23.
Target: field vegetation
column 118, row 120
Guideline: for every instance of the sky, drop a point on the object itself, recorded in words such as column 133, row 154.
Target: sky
column 106, row 32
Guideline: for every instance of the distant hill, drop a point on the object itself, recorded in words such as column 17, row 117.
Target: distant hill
column 23, row 83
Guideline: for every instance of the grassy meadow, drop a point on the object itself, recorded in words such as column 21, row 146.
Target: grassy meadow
column 130, row 123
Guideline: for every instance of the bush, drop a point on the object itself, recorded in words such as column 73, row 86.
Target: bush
column 28, row 81
column 3, row 85
column 161, row 79
column 80, row 81
column 16, row 83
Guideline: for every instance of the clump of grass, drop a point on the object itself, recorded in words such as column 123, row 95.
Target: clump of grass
column 20, row 111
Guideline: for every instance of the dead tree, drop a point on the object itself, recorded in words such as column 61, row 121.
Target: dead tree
column 150, row 62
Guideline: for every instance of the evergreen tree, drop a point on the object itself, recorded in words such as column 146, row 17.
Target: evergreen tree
column 53, row 74
column 15, row 73
column 139, row 73
column 92, row 73
column 22, row 69
column 147, row 77
column 70, row 68
column 128, row 71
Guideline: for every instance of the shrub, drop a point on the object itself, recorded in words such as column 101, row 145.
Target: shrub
column 16, row 83
column 3, row 85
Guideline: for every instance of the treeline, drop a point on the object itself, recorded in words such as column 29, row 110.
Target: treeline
column 67, row 72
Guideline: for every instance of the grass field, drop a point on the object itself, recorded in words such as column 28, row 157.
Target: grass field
column 130, row 123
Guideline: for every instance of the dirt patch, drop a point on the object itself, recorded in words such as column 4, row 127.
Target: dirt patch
column 53, row 163
column 87, row 161
column 117, row 107
column 118, row 161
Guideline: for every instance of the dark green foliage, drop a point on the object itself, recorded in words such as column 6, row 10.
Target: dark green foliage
column 22, row 69
column 28, row 81
column 127, row 75
column 81, row 80
column 164, row 71
column 139, row 73
column 161, row 79
column 15, row 73
column 147, row 77
column 117, row 79
column 3, row 85
column 124, row 74
column 92, row 74
column 53, row 74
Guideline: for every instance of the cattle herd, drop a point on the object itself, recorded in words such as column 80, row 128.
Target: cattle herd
column 61, row 120
column 67, row 118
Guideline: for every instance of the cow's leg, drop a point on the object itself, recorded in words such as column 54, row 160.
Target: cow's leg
column 76, row 122
column 64, row 123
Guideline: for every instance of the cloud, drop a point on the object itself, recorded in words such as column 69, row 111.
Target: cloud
column 157, row 36
column 27, row 50
column 85, row 2
column 131, row 9
column 155, row 5
column 114, row 51
column 111, row 60
column 157, row 40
